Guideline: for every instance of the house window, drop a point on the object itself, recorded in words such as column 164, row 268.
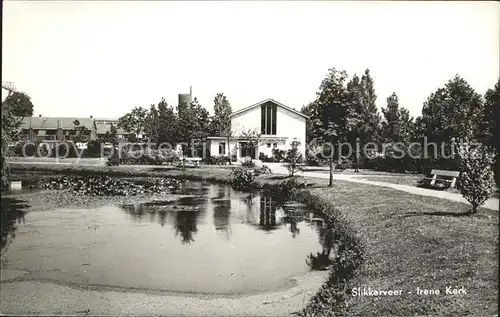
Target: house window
column 268, row 119
column 275, row 145
column 268, row 144
column 222, row 148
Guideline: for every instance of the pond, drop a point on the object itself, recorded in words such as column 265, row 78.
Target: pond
column 211, row 240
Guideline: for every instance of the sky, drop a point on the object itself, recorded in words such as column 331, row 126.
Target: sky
column 78, row 59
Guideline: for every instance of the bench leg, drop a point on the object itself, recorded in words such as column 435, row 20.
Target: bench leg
column 453, row 181
column 433, row 181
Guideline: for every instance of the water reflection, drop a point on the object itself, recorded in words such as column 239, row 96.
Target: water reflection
column 267, row 217
column 11, row 213
column 223, row 206
column 221, row 220
column 185, row 225
column 194, row 231
column 327, row 239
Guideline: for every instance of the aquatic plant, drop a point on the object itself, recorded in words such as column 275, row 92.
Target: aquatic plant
column 107, row 186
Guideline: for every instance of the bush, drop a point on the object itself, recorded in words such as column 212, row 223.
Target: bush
column 242, row 179
column 266, row 159
column 94, row 148
column 476, row 180
column 283, row 190
column 278, row 155
column 311, row 159
column 64, row 149
column 248, row 163
column 294, row 159
column 113, row 160
column 217, row 160
column 30, row 149
column 345, row 164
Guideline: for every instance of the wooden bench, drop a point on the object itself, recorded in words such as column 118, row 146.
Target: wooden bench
column 437, row 175
column 189, row 162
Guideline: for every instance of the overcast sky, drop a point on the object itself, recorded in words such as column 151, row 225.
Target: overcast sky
column 103, row 58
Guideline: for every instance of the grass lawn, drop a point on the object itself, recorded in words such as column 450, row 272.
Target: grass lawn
column 415, row 241
column 412, row 241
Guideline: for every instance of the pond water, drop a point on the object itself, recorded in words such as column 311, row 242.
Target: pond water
column 211, row 240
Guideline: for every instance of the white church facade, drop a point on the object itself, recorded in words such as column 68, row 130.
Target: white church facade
column 277, row 124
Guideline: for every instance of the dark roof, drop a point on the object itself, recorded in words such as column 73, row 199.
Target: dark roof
column 265, row 101
column 52, row 123
column 103, row 128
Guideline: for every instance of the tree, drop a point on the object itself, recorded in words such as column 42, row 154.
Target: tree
column 10, row 128
column 111, row 135
column 370, row 130
column 20, row 104
column 168, row 123
column 221, row 123
column 134, row 122
column 15, row 105
column 331, row 117
column 81, row 132
column 476, row 180
column 397, row 125
column 193, row 123
column 250, row 140
column 453, row 111
column 307, row 110
column 294, row 158
column 491, row 125
column 152, row 124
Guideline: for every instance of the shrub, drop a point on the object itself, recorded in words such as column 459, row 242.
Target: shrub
column 266, row 159
column 345, row 164
column 242, row 179
column 476, row 180
column 311, row 159
column 294, row 159
column 113, row 160
column 30, row 149
column 248, row 163
column 217, row 160
column 94, row 148
column 278, row 155
column 64, row 149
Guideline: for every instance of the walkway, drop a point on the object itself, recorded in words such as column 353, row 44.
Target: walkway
column 492, row 203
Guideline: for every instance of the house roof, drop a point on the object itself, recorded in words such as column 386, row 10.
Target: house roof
column 103, row 128
column 51, row 123
column 265, row 101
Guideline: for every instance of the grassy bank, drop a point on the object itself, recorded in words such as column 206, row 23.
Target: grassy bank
column 410, row 241
column 414, row 241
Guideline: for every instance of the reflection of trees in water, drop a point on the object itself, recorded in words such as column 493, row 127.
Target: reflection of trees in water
column 11, row 213
column 187, row 210
column 221, row 217
column 268, row 207
column 267, row 216
column 136, row 211
column 293, row 221
column 327, row 239
column 185, row 225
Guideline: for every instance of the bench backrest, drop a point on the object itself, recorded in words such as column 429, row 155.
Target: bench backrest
column 445, row 173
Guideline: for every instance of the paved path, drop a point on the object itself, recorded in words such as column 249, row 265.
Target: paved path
column 492, row 203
